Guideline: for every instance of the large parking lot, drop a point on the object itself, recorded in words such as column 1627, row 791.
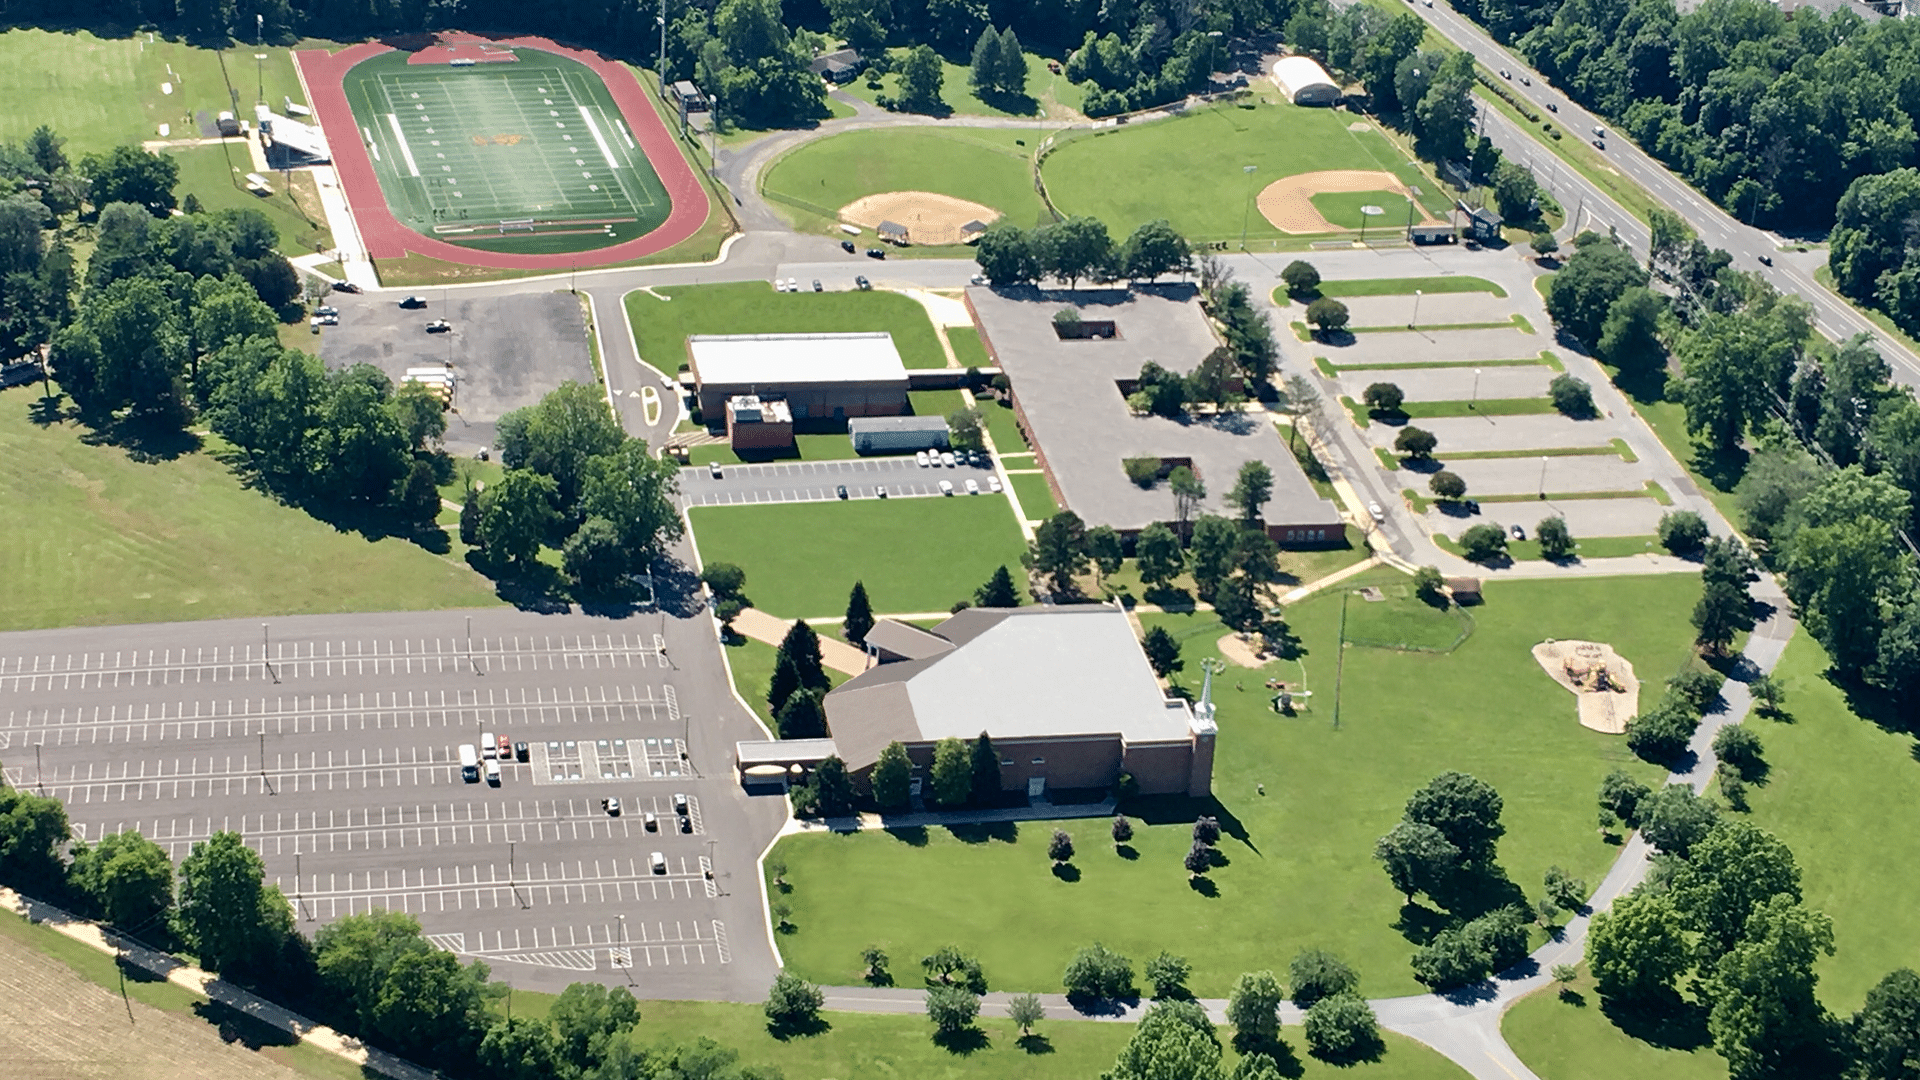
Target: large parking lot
column 819, row 481
column 333, row 745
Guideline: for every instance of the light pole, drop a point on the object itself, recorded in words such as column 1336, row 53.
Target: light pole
column 1415, row 321
column 662, row 61
column 1475, row 402
column 1247, row 217
column 1543, row 476
column 260, row 70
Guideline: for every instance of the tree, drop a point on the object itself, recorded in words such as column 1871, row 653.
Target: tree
column 952, row 1008
column 1174, row 1041
column 832, row 787
column 593, row 556
column 1122, row 829
column 1682, row 531
column 1206, row 830
column 1567, row 892
column 1163, row 652
column 226, row 915
column 1416, row 443
column 1722, row 612
column 431, row 1007
column 515, row 516
column 1154, row 249
column 1622, row 796
column 875, row 959
column 127, row 878
column 639, row 493
column 1301, row 279
column 519, row 1048
column 793, row 1003
column 1059, row 550
column 1211, row 557
column 952, row 773
column 1695, row 688
column 1768, row 694
column 1660, row 734
column 859, row 618
column 964, row 430
column 1573, row 397
column 1060, row 847
column 998, row 592
column 801, row 716
column 1727, row 875
column 354, row 956
column 1674, row 819
column 1465, row 810
column 1630, row 333
column 1103, row 547
column 983, row 73
column 1886, row 1031
column 1430, row 586
column 129, row 346
column 1198, row 860
column 1636, row 948
column 801, row 646
column 1157, row 555
column 1007, row 255
column 1327, row 315
column 561, row 433
column 1765, row 1015
column 1253, row 1008
column 1251, row 490
column 725, row 579
column 1166, row 973
column 33, row 837
column 589, row 1019
column 1098, row 972
column 1543, row 244
column 1582, row 293
column 45, row 148
column 418, row 498
column 784, row 683
column 1451, row 959
column 1383, row 397
column 921, row 76
column 1188, row 492
column 1075, row 248
column 1317, row 974
column 948, row 966
column 1483, row 543
column 128, row 174
column 1515, row 191
column 985, row 763
column 893, row 777
column 1343, row 1030
column 1447, row 484
column 1555, row 541
column 1025, row 1011
column 1417, row 858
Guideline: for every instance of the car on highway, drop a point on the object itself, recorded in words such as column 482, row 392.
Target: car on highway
column 1378, row 513
column 713, row 470
column 489, row 749
column 841, row 491
column 650, row 821
column 921, row 459
column 1524, row 81
column 1518, row 532
column 846, row 246
column 439, row 326
column 1766, row 260
column 973, row 487
column 414, row 302
column 876, row 253
column 1551, row 107
column 1599, row 145
column 946, row 487
column 946, row 459
column 657, row 863
column 1505, row 74
column 1599, row 133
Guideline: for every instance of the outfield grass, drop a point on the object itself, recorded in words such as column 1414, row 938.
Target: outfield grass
column 661, row 327
column 93, row 537
column 215, row 175
column 982, row 165
column 965, row 342
column 914, row 554
column 1449, row 283
column 1569, row 1037
column 1299, row 873
column 1047, row 94
column 1036, row 498
column 100, row 92
column 1342, row 208
column 1188, row 169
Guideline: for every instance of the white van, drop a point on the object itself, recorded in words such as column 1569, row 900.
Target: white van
column 469, row 763
column 493, row 772
column 489, row 749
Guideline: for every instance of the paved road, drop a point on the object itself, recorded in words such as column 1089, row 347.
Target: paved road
column 818, row 481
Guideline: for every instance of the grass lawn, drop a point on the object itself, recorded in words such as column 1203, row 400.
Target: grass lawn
column 981, row 165
column 1296, row 568
column 100, row 92
column 967, row 348
column 1299, row 872
column 661, row 327
column 831, row 446
column 93, row 537
column 1047, row 94
column 1035, row 497
column 1567, row 1036
column 1427, row 410
column 1450, row 283
column 914, row 554
column 1003, row 428
column 936, row 402
column 1188, row 169
column 1343, row 208
column 214, row 175
column 752, row 664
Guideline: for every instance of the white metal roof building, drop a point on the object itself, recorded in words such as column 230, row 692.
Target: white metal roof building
column 1304, row 81
column 821, row 376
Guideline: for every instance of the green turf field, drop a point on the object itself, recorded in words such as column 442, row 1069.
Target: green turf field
column 1570, row 1037
column 982, row 165
column 1189, row 169
column 914, row 554
column 1343, row 208
column 1302, row 876
column 531, row 156
column 92, row 537
column 661, row 327
column 101, row 92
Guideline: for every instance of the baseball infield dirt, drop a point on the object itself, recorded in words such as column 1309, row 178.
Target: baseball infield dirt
column 930, row 218
column 1288, row 202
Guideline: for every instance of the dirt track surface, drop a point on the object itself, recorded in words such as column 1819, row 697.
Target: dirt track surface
column 54, row 1025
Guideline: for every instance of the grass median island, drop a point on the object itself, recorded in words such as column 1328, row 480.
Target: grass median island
column 981, row 165
column 93, row 537
column 661, row 327
column 1299, row 872
column 919, row 554
column 1447, row 283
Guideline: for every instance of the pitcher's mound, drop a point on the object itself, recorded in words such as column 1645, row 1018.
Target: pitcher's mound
column 1602, row 681
column 1288, row 203
column 930, row 218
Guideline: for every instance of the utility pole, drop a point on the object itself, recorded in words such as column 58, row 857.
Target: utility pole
column 662, row 61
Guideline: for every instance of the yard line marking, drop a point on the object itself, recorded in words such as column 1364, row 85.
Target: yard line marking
column 401, row 137
column 599, row 139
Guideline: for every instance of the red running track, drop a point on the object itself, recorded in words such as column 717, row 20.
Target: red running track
column 386, row 238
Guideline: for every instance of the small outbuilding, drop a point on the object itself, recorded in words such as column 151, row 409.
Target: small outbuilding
column 972, row 231
column 1433, row 234
column 897, row 434
column 1464, row 590
column 1304, row 81
column 892, row 232
column 688, row 96
column 1483, row 223
column 756, row 423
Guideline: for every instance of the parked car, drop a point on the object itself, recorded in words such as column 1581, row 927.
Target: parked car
column 946, row 459
column 881, row 491
column 973, row 487
column 1518, row 532
column 345, row 286
column 841, row 491
column 977, row 279
column 686, row 824
column 713, row 470
column 657, row 863
column 993, row 484
column 611, row 806
column 326, row 309
column 1378, row 513
column 489, row 749
column 439, row 326
column 679, row 803
column 862, row 283
column 846, row 246
column 946, row 487
column 519, row 751
column 414, row 302
column 650, row 822
column 328, row 320
column 817, row 287
column 876, row 253
column 920, row 458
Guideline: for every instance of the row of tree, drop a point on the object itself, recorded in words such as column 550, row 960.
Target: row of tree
column 1079, row 247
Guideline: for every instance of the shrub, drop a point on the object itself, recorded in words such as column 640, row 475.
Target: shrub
column 1342, row 1030
column 1301, row 278
column 1317, row 974
column 1060, row 846
column 1122, row 829
column 1144, row 471
column 1544, row 244
column 952, row 1008
column 1206, row 830
column 1167, row 975
column 1565, row 890
column 1484, row 543
column 1448, row 961
column 1415, row 442
column 1067, row 319
column 1737, row 746
column 1098, row 972
column 1448, row 485
column 1383, row 397
column 1571, row 396
column 1621, row 795
column 1555, row 541
column 1660, row 734
column 1682, row 532
column 793, row 1001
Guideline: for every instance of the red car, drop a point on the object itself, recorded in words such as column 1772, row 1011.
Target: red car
column 506, row 748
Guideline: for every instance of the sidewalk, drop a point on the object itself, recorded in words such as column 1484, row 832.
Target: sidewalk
column 834, row 653
column 349, row 250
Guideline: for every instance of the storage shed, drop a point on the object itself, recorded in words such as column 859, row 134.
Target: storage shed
column 897, row 434
column 1304, row 81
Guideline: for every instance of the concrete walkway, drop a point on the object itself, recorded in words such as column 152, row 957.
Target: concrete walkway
column 212, row 987
column 834, row 653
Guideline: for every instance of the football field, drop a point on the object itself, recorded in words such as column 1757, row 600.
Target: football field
column 531, row 156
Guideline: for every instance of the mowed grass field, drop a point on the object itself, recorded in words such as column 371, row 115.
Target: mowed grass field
column 922, row 554
column 214, row 175
column 1189, row 169
column 100, row 92
column 1047, row 94
column 1345, row 208
column 1569, row 1037
column 88, row 536
column 661, row 327
column 981, row 165
column 1299, row 871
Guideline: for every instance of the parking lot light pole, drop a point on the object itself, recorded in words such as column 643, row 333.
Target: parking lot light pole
column 1475, row 401
column 1543, row 476
column 1416, row 310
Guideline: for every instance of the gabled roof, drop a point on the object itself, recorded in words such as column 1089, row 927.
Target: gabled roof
column 907, row 642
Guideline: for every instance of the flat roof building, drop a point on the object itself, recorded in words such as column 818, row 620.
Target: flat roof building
column 897, row 434
column 1068, row 395
column 821, row 376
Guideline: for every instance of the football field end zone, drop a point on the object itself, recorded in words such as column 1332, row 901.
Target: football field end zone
column 385, row 237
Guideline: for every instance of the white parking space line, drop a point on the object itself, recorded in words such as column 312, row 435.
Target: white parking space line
column 330, row 895
column 625, row 943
